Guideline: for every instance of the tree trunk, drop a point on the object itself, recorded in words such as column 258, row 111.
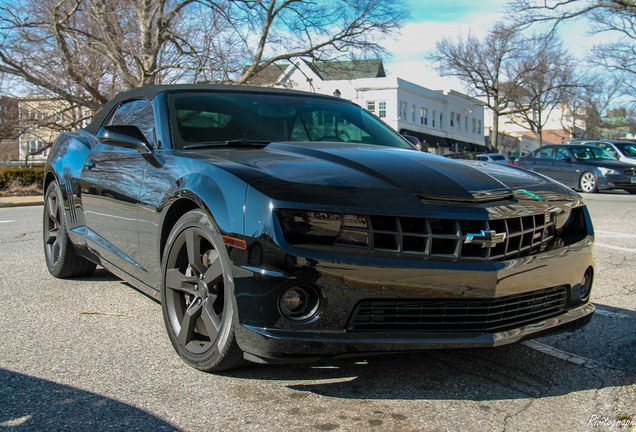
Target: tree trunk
column 494, row 130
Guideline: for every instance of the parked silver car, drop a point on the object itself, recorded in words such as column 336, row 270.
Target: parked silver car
column 499, row 158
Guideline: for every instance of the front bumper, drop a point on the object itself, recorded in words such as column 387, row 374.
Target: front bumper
column 267, row 336
column 277, row 345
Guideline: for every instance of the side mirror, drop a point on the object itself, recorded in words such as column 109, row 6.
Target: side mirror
column 124, row 136
column 415, row 141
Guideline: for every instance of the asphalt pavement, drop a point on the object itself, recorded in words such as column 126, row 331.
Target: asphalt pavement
column 92, row 354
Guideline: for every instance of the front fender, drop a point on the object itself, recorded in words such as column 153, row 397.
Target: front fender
column 65, row 163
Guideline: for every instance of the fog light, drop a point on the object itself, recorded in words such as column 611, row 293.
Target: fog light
column 300, row 302
column 294, row 300
column 586, row 285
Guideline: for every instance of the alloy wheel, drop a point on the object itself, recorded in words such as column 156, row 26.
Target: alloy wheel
column 194, row 290
column 588, row 182
column 52, row 229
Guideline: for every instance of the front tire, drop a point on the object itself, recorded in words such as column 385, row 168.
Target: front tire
column 588, row 182
column 61, row 258
column 197, row 295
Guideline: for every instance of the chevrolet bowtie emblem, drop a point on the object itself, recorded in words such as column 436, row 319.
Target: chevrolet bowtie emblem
column 486, row 238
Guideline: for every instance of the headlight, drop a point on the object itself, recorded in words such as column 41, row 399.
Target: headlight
column 311, row 227
column 606, row 171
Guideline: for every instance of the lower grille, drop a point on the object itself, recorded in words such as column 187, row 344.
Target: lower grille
column 458, row 315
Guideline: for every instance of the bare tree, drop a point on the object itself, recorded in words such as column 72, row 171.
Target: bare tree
column 583, row 106
column 489, row 68
column 317, row 29
column 617, row 16
column 548, row 79
column 83, row 52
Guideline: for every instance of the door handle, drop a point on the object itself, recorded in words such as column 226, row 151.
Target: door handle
column 90, row 164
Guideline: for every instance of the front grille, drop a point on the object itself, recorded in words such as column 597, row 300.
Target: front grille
column 458, row 315
column 526, row 235
column 631, row 172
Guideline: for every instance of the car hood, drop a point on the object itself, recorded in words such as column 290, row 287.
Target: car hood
column 287, row 167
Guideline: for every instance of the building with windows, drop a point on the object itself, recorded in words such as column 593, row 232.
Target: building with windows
column 9, row 145
column 28, row 126
column 445, row 123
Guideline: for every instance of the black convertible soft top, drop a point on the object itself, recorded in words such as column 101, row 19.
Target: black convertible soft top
column 148, row 92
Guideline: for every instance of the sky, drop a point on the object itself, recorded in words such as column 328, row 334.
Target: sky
column 432, row 19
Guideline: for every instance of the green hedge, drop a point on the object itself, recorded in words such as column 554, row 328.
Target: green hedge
column 22, row 176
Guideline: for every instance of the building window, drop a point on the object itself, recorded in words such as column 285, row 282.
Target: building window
column 413, row 114
column 451, row 119
column 35, row 146
column 371, row 106
column 441, row 120
column 434, row 115
column 459, row 123
column 474, row 125
column 479, row 126
column 382, row 109
column 402, row 112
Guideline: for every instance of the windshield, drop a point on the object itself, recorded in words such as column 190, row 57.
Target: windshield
column 628, row 148
column 222, row 118
column 590, row 152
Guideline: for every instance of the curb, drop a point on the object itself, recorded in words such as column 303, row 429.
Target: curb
column 25, row 203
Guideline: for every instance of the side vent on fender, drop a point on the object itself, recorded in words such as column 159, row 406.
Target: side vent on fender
column 68, row 189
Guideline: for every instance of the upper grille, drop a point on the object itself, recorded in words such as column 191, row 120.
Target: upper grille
column 525, row 236
column 458, row 315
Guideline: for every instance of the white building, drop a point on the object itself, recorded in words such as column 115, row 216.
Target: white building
column 444, row 122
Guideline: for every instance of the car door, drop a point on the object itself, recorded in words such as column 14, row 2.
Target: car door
column 563, row 167
column 110, row 184
column 542, row 161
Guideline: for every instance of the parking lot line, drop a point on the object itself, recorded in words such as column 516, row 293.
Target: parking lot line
column 600, row 233
column 569, row 357
column 611, row 314
column 7, row 221
column 615, row 247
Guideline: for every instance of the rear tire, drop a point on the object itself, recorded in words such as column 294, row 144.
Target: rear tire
column 197, row 295
column 61, row 258
column 588, row 183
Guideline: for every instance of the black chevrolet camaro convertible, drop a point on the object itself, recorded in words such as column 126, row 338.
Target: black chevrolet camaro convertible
column 283, row 226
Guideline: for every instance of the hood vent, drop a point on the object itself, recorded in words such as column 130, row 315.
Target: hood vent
column 477, row 197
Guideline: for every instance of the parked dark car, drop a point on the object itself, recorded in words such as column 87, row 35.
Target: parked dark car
column 581, row 166
column 283, row 226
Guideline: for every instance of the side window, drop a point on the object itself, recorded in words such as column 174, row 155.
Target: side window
column 561, row 154
column 544, row 153
column 136, row 113
column 608, row 148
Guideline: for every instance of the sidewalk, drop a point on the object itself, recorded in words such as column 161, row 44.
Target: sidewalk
column 19, row 201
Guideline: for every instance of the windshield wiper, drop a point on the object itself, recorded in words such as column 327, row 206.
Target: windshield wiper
column 241, row 142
